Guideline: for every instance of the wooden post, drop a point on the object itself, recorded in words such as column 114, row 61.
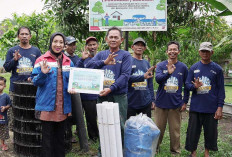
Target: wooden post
column 126, row 40
column 80, row 123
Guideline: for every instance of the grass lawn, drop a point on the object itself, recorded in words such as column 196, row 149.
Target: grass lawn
column 224, row 142
column 113, row 23
column 228, row 94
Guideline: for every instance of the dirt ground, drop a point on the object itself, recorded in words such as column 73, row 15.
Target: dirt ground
column 10, row 152
column 225, row 126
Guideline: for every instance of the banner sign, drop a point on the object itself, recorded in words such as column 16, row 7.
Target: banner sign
column 128, row 15
column 84, row 80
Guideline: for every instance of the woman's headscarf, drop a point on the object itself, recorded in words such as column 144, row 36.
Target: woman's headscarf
column 51, row 40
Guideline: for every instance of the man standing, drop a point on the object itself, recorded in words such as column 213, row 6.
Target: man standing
column 21, row 58
column 206, row 81
column 171, row 75
column 70, row 48
column 140, row 90
column 89, row 101
column 20, row 61
column 117, row 66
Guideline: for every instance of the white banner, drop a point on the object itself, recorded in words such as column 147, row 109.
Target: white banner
column 128, row 15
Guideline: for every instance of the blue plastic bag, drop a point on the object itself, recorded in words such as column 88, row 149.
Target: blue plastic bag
column 141, row 137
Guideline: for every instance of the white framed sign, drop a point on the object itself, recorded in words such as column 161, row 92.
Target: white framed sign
column 83, row 80
column 128, row 15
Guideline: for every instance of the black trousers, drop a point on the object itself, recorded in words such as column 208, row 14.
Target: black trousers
column 134, row 112
column 53, row 139
column 196, row 121
column 90, row 109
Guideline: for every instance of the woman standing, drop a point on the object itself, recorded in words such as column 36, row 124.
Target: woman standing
column 53, row 102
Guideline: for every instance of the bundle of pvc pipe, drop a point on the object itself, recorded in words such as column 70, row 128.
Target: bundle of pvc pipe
column 109, row 129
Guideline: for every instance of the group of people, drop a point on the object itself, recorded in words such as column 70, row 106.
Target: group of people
column 128, row 81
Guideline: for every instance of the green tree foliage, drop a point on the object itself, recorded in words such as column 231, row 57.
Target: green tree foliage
column 98, row 8
column 41, row 26
column 189, row 22
column 72, row 17
column 188, row 28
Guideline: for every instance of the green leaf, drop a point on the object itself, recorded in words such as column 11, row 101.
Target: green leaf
column 225, row 13
column 183, row 30
column 214, row 3
column 227, row 3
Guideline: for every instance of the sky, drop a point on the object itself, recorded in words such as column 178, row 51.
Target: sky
column 229, row 20
column 8, row 7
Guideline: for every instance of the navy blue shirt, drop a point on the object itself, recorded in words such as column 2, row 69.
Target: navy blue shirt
column 21, row 69
column 75, row 59
column 140, row 90
column 169, row 93
column 116, row 76
column 210, row 96
column 4, row 101
column 82, row 64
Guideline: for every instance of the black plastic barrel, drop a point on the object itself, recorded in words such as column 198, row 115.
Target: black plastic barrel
column 28, row 130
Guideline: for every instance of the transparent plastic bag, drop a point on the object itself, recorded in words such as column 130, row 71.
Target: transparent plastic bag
column 141, row 136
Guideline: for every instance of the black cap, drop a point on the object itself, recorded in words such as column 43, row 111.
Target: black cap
column 139, row 40
column 70, row 40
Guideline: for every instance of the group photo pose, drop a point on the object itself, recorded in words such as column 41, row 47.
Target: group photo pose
column 116, row 78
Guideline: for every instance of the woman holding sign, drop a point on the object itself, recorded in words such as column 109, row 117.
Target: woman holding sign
column 53, row 102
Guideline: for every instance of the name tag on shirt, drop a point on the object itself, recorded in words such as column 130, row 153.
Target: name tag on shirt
column 196, row 71
column 165, row 71
column 213, row 72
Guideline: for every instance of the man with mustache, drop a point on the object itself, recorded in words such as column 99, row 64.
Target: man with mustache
column 116, row 64
column 20, row 61
column 89, row 101
column 206, row 81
